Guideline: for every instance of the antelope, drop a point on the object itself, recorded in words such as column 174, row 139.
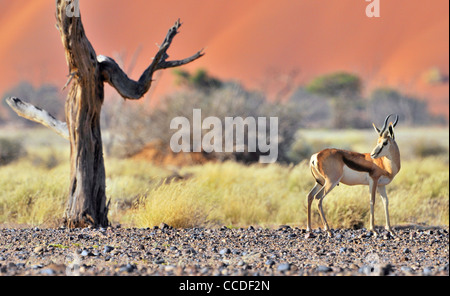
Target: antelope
column 377, row 169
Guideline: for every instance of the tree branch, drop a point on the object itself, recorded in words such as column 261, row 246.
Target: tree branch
column 134, row 90
column 28, row 111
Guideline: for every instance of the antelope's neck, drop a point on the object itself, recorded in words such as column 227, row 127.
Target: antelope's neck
column 391, row 162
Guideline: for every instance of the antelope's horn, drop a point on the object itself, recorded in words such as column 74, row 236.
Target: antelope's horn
column 395, row 121
column 385, row 124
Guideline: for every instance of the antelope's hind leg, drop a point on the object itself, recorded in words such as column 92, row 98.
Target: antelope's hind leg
column 317, row 187
column 328, row 186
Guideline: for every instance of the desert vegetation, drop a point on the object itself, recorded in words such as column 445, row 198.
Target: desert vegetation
column 147, row 184
column 228, row 193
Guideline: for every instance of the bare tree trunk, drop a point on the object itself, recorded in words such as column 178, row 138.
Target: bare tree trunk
column 87, row 199
column 88, row 72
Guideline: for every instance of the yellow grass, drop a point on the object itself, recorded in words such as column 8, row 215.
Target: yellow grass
column 233, row 194
column 33, row 191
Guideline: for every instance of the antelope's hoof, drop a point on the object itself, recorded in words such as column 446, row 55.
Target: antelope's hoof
column 390, row 234
column 374, row 233
column 390, row 231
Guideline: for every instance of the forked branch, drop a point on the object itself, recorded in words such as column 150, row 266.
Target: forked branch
column 33, row 113
column 134, row 90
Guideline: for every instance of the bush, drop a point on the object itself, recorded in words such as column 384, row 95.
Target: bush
column 314, row 110
column 337, row 84
column 46, row 97
column 426, row 148
column 141, row 126
column 10, row 150
column 385, row 100
column 303, row 149
column 344, row 92
column 200, row 80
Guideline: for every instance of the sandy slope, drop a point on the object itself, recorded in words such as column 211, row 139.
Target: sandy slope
column 245, row 40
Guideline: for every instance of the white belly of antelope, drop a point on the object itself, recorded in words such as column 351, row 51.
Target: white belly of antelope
column 352, row 177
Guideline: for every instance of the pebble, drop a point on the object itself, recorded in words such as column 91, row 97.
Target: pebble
column 209, row 251
column 406, row 269
column 367, row 270
column 37, row 266
column 48, row 271
column 427, row 271
column 284, row 267
column 386, row 269
column 86, row 253
column 107, row 249
column 224, row 251
column 270, row 262
column 128, row 268
column 159, row 261
column 38, row 250
column 323, row 268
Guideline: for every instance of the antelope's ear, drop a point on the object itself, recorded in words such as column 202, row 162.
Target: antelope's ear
column 376, row 129
column 391, row 130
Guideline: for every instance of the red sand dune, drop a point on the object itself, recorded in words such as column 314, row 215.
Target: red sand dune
column 244, row 40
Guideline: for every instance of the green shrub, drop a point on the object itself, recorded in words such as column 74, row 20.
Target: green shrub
column 10, row 150
column 428, row 148
column 303, row 149
column 336, row 84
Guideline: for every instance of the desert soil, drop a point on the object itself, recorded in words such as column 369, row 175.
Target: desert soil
column 164, row 250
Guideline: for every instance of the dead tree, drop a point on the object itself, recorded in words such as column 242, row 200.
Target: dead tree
column 87, row 203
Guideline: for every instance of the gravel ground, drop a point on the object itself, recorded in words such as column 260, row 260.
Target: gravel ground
column 248, row 251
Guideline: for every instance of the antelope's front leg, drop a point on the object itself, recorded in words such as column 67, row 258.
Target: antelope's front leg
column 373, row 189
column 382, row 191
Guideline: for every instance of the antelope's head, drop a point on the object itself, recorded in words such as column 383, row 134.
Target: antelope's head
column 386, row 138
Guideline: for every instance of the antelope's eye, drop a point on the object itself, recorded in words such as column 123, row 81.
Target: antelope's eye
column 385, row 143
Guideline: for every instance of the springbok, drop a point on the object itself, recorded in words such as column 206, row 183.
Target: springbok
column 377, row 169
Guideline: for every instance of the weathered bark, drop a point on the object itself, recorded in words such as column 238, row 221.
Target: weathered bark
column 87, row 200
column 134, row 90
column 87, row 203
